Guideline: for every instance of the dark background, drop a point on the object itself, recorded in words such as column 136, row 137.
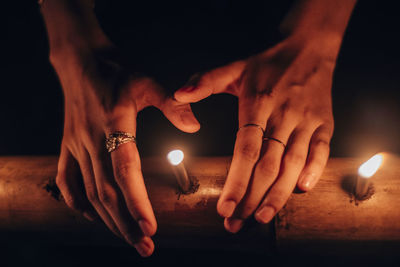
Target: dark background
column 171, row 41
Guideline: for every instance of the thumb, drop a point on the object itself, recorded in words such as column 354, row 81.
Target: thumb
column 219, row 80
column 180, row 115
column 147, row 92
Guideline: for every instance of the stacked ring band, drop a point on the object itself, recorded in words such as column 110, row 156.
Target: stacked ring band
column 115, row 139
column 274, row 139
column 252, row 125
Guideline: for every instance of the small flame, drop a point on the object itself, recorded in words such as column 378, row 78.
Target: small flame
column 175, row 157
column 369, row 168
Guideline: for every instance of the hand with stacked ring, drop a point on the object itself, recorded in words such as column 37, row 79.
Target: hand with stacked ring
column 285, row 111
column 285, row 125
column 102, row 99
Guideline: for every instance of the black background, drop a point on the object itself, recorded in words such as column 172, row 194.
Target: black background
column 172, row 40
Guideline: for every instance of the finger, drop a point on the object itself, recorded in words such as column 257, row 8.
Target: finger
column 317, row 158
column 245, row 155
column 292, row 163
column 145, row 247
column 91, row 191
column 128, row 175
column 180, row 115
column 69, row 181
column 216, row 81
column 147, row 92
column 265, row 173
column 111, row 198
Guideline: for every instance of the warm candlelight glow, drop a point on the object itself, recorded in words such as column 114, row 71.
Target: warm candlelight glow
column 175, row 157
column 368, row 168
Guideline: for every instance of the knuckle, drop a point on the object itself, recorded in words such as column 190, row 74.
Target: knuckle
column 237, row 190
column 205, row 80
column 274, row 205
column 310, row 115
column 61, row 180
column 277, row 199
column 288, row 112
column 269, row 168
column 136, row 206
column 91, row 141
column 322, row 143
column 265, row 92
column 249, row 152
column 295, row 158
column 92, row 196
column 278, row 194
column 317, row 162
column 195, row 79
column 107, row 198
column 71, row 202
column 123, row 171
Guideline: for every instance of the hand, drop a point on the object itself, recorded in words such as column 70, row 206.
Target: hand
column 102, row 97
column 287, row 91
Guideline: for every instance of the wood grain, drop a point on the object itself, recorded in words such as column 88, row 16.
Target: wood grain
column 326, row 215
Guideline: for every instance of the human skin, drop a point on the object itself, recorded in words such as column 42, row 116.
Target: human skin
column 276, row 89
column 287, row 91
column 101, row 97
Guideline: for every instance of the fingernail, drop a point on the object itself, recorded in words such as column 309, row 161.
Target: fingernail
column 142, row 249
column 233, row 225
column 308, row 181
column 187, row 89
column 227, row 208
column 91, row 217
column 265, row 215
column 147, row 229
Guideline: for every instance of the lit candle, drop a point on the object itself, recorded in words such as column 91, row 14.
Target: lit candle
column 175, row 157
column 365, row 172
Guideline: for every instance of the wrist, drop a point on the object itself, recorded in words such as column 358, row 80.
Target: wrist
column 72, row 27
column 325, row 44
column 318, row 21
column 322, row 48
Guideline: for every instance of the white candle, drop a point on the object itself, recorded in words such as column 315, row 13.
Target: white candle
column 365, row 172
column 175, row 157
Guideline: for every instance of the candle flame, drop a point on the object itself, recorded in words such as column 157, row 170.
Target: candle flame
column 175, row 157
column 369, row 168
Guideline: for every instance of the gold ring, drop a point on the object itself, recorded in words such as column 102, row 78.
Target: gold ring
column 252, row 125
column 274, row 139
column 115, row 139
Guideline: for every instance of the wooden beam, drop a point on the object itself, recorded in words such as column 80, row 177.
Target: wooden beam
column 326, row 215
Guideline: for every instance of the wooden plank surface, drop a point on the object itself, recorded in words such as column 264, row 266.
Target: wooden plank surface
column 330, row 214
column 327, row 214
column 183, row 220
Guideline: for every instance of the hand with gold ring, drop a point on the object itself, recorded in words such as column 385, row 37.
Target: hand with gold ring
column 102, row 100
column 285, row 126
column 285, row 115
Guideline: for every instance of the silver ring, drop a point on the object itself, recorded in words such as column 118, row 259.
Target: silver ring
column 252, row 125
column 274, row 139
column 115, row 139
